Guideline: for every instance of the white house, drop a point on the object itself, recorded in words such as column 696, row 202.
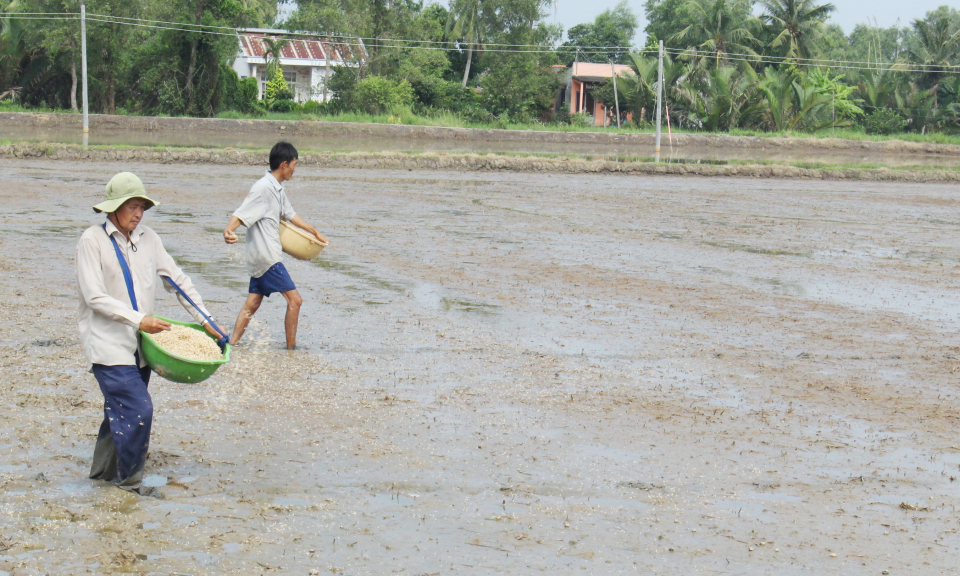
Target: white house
column 307, row 61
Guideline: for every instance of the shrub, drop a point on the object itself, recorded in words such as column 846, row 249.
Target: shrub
column 884, row 121
column 284, row 105
column 432, row 92
column 477, row 115
column 313, row 107
column 276, row 86
column 561, row 116
column 376, row 95
column 245, row 99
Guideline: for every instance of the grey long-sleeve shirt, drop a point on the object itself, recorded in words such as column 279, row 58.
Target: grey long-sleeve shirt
column 109, row 326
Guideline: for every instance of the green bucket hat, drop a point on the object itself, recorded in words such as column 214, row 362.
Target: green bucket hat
column 121, row 188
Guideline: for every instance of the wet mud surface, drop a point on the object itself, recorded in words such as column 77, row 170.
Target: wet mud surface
column 517, row 373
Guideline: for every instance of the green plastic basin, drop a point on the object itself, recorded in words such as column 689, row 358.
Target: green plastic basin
column 177, row 368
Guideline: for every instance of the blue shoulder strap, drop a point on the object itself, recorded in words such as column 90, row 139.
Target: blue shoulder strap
column 127, row 277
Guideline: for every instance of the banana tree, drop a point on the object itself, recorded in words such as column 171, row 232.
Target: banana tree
column 790, row 98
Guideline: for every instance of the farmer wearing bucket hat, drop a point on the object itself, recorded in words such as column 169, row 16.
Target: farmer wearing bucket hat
column 118, row 264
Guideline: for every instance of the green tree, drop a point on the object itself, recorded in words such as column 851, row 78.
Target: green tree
column 795, row 25
column 720, row 27
column 57, row 43
column 615, row 27
column 834, row 43
column 521, row 85
column 936, row 43
column 666, row 19
column 875, row 44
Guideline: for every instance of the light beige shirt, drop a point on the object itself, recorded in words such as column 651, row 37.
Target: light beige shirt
column 109, row 326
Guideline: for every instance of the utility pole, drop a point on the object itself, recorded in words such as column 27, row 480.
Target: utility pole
column 616, row 97
column 656, row 150
column 83, row 60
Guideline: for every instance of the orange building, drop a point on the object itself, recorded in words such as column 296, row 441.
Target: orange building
column 576, row 96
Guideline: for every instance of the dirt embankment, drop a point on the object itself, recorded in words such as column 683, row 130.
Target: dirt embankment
column 103, row 122
column 469, row 162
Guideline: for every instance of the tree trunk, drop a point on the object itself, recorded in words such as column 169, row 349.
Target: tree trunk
column 192, row 66
column 111, row 95
column 73, row 84
column 466, row 71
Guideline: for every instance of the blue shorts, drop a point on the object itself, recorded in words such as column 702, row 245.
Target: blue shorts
column 276, row 279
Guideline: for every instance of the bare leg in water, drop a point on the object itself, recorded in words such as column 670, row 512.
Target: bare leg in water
column 246, row 313
column 290, row 321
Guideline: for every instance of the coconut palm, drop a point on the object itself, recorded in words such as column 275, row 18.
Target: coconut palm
column 937, row 43
column 272, row 51
column 796, row 25
column 720, row 27
column 638, row 90
column 919, row 106
column 465, row 24
column 13, row 50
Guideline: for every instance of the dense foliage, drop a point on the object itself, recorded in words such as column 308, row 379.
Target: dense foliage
column 776, row 65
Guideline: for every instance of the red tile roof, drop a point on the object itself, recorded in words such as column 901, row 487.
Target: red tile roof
column 302, row 48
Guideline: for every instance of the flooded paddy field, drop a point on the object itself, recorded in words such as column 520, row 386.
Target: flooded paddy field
column 330, row 136
column 507, row 373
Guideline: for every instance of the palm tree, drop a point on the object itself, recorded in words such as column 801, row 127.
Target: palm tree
column 919, row 106
column 876, row 88
column 13, row 50
column 796, row 25
column 718, row 98
column 465, row 24
column 272, row 50
column 639, row 89
column 790, row 98
column 720, row 27
column 936, row 44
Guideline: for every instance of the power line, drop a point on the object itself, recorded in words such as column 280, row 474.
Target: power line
column 805, row 61
column 770, row 60
column 76, row 14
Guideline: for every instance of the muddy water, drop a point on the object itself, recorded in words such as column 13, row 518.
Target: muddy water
column 508, row 373
column 687, row 154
